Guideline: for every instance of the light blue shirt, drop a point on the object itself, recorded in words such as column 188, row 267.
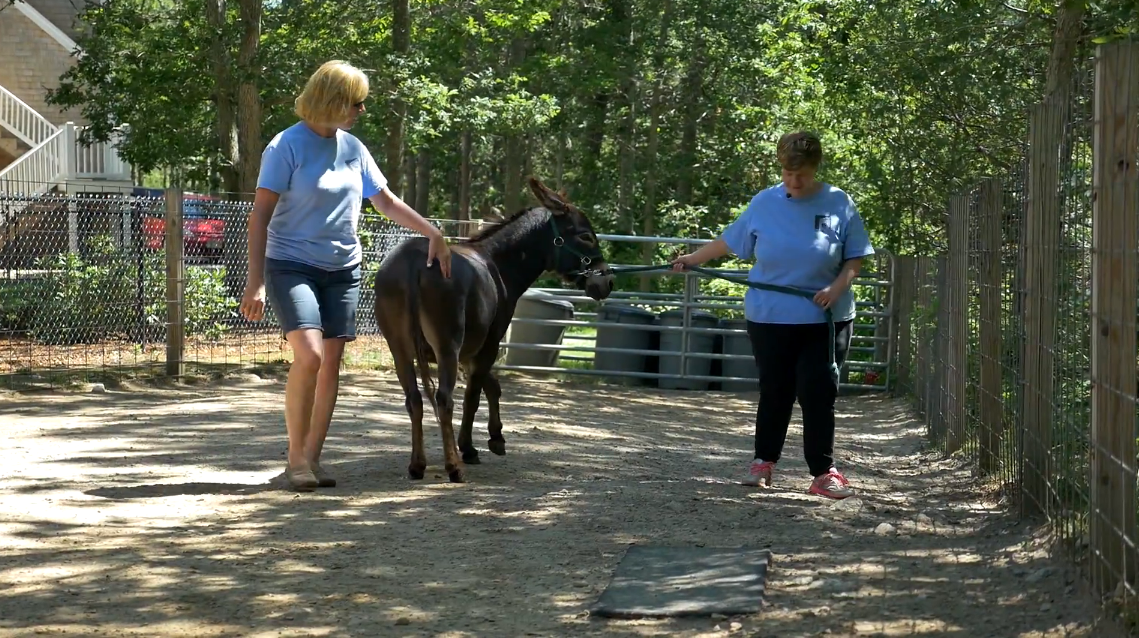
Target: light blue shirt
column 801, row 243
column 322, row 182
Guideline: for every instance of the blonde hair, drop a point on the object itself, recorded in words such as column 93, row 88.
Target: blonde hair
column 799, row 149
column 330, row 92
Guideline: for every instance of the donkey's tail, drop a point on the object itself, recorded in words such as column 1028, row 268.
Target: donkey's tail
column 422, row 358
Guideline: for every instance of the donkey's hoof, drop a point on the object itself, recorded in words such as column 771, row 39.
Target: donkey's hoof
column 456, row 475
column 498, row 446
column 415, row 472
column 471, row 457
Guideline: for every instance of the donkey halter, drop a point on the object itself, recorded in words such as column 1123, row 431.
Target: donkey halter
column 586, row 260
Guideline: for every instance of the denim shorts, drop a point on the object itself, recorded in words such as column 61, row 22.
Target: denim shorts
column 304, row 296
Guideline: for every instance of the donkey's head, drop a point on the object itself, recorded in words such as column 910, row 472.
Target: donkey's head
column 576, row 254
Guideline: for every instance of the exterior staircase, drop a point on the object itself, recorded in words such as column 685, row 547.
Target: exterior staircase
column 37, row 157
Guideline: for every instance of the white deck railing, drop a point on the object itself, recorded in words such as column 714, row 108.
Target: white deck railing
column 99, row 161
column 22, row 120
column 52, row 162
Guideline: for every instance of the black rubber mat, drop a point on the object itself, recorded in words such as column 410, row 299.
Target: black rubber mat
column 685, row 581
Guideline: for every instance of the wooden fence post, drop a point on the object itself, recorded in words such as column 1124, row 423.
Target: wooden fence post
column 905, row 294
column 175, row 285
column 926, row 340
column 989, row 280
column 1042, row 239
column 1115, row 215
column 957, row 287
column 940, row 353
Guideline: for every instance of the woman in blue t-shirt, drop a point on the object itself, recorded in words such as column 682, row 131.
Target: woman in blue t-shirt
column 803, row 234
column 305, row 254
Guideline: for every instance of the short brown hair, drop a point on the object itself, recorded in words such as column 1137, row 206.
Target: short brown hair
column 800, row 149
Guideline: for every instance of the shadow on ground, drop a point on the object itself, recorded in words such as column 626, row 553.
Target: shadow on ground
column 163, row 513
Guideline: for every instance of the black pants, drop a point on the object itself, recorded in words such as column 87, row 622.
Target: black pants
column 794, row 363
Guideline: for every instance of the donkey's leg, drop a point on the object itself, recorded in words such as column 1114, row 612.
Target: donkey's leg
column 470, row 407
column 404, row 359
column 444, row 398
column 496, row 443
column 395, row 326
column 413, row 401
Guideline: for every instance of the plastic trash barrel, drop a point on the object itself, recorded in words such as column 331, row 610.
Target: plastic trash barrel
column 616, row 335
column 738, row 344
column 535, row 304
column 671, row 341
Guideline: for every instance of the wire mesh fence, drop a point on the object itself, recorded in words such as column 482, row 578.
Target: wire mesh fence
column 1017, row 346
column 85, row 281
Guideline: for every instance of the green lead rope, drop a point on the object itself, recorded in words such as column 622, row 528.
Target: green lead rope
column 806, row 294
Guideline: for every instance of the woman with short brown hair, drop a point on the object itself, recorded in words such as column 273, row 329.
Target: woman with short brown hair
column 803, row 234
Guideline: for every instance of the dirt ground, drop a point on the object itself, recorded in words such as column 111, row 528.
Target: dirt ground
column 149, row 512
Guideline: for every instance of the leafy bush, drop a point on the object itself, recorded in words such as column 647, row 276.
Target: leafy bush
column 105, row 295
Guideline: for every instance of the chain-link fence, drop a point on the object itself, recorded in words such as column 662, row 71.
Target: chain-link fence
column 1018, row 345
column 86, row 280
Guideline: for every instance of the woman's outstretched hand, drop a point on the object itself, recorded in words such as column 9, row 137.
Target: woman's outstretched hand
column 437, row 248
column 684, row 262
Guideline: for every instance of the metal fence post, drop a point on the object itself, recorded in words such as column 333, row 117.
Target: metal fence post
column 175, row 284
column 690, row 288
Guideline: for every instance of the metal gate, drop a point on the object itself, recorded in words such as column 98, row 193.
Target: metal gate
column 674, row 341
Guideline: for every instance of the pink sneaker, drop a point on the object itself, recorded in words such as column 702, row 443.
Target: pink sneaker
column 832, row 485
column 759, row 472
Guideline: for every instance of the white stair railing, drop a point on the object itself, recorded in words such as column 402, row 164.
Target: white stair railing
column 22, row 120
column 33, row 174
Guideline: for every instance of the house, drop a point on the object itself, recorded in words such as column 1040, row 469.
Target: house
column 39, row 150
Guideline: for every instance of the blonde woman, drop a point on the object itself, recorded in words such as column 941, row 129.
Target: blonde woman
column 304, row 251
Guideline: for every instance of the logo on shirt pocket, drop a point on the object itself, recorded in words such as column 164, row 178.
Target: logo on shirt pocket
column 353, row 163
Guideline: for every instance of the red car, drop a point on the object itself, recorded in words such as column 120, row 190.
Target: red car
column 202, row 230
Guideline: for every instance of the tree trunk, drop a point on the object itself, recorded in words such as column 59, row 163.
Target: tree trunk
column 560, row 162
column 409, row 184
column 423, row 182
column 397, row 111
column 465, row 182
column 648, row 216
column 225, row 100
column 513, row 174
column 692, row 107
column 249, row 95
column 594, row 140
column 1065, row 39
column 514, row 143
column 627, row 110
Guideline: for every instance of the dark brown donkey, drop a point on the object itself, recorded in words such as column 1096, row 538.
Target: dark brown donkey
column 461, row 321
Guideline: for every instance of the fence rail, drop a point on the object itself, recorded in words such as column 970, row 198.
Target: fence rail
column 1017, row 345
column 135, row 287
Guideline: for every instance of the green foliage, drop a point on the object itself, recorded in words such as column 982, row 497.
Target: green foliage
column 97, row 297
column 914, row 100
column 145, row 65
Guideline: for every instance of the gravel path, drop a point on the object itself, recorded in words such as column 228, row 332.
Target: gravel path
column 159, row 512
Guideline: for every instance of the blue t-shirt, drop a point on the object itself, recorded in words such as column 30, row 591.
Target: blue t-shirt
column 321, row 182
column 800, row 243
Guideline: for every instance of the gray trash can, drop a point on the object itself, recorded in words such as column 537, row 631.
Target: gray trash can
column 632, row 337
column 741, row 345
column 535, row 304
column 671, row 341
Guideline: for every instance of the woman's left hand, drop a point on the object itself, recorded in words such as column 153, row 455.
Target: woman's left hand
column 827, row 296
column 437, row 248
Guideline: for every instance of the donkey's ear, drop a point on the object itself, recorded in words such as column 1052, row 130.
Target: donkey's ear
column 547, row 197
